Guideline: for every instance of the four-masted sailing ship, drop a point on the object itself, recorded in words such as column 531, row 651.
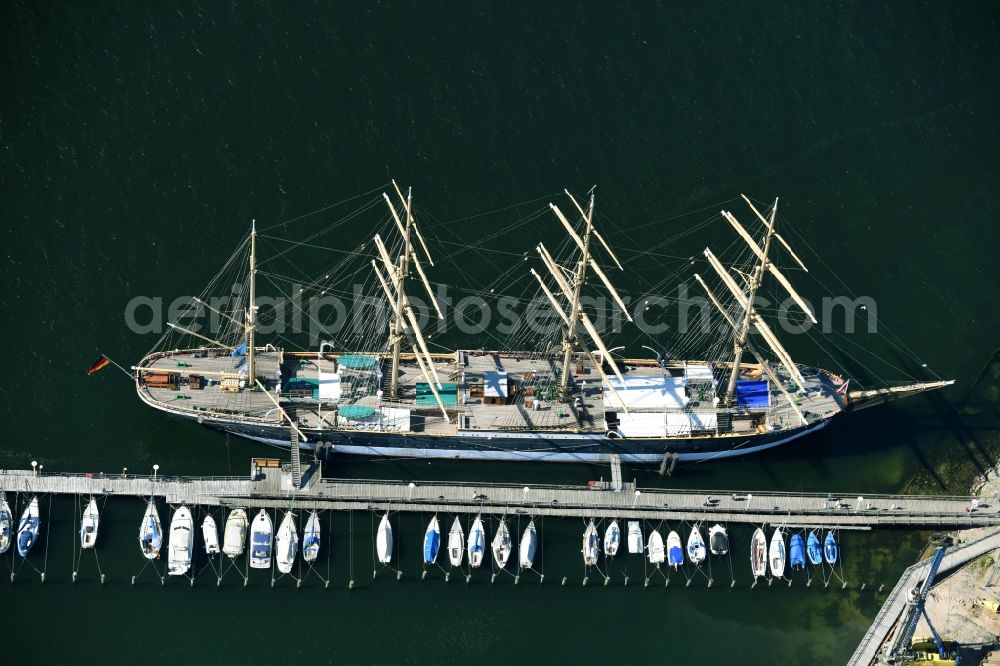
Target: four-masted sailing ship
column 571, row 401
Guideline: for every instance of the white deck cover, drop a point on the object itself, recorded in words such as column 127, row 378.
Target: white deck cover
column 678, row 424
column 329, row 386
column 495, row 384
column 701, row 374
column 647, row 393
column 638, row 424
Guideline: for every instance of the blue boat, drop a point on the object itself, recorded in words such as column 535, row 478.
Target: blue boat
column 830, row 548
column 432, row 541
column 814, row 550
column 27, row 530
column 797, row 551
column 675, row 554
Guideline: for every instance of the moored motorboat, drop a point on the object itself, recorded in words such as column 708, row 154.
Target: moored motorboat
column 612, row 539
column 477, row 543
column 696, row 546
column 797, row 552
column 432, row 541
column 776, row 554
column 383, row 542
column 235, row 535
column 456, row 543
column 635, row 544
column 502, row 545
column 89, row 524
column 286, row 543
column 6, row 524
column 814, row 549
column 181, row 542
column 591, row 549
column 210, row 535
column 529, row 546
column 758, row 553
column 830, row 550
column 261, row 532
column 675, row 554
column 27, row 529
column 655, row 548
column 150, row 532
column 718, row 540
column 311, row 538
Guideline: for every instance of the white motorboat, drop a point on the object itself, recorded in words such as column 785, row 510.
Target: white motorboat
column 696, row 547
column 612, row 539
column 476, row 544
column 181, row 542
column 529, row 546
column 718, row 540
column 456, row 543
column 758, row 553
column 6, row 524
column 383, row 541
column 776, row 554
column 151, row 532
column 591, row 547
column 89, row 524
column 675, row 555
column 261, row 532
column 432, row 541
column 311, row 538
column 656, row 552
column 635, row 544
column 286, row 543
column 210, row 535
column 502, row 545
column 27, row 529
column 235, row 535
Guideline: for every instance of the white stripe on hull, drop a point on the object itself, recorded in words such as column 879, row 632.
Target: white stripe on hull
column 542, row 456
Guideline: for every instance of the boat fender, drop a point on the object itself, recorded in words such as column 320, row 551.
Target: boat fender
column 611, row 434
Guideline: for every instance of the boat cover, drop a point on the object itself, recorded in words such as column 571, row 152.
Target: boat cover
column 752, row 394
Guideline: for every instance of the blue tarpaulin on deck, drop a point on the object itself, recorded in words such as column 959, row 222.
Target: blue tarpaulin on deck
column 752, row 394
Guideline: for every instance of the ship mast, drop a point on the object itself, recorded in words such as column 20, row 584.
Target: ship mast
column 569, row 331
column 741, row 335
column 251, row 313
column 401, row 270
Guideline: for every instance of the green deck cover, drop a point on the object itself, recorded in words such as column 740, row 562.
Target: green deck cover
column 448, row 392
column 357, row 361
column 356, row 411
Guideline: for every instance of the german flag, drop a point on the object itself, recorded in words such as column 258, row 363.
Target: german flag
column 99, row 364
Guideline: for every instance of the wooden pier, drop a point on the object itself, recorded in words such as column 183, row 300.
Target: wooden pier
column 271, row 485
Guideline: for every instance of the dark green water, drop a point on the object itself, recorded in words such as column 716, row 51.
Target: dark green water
column 137, row 143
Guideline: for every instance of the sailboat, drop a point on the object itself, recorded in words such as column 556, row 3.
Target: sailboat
column 797, row 552
column 502, row 545
column 776, row 554
column 88, row 524
column 813, row 549
column 6, row 524
column 655, row 548
column 477, row 543
column 612, row 538
column 150, row 532
column 456, row 543
column 261, row 533
column 235, row 536
column 675, row 554
column 758, row 553
column 27, row 529
column 696, row 546
column 591, row 549
column 181, row 544
column 718, row 540
column 635, row 545
column 383, row 541
column 210, row 535
column 528, row 547
column 286, row 543
column 432, row 541
column 311, row 538
column 706, row 408
column 830, row 548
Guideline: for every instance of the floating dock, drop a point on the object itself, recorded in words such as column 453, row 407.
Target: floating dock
column 270, row 484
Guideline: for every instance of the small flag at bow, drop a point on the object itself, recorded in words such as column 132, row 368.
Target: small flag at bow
column 99, row 364
column 843, row 388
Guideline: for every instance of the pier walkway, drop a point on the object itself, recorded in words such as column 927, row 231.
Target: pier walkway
column 887, row 618
column 269, row 486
